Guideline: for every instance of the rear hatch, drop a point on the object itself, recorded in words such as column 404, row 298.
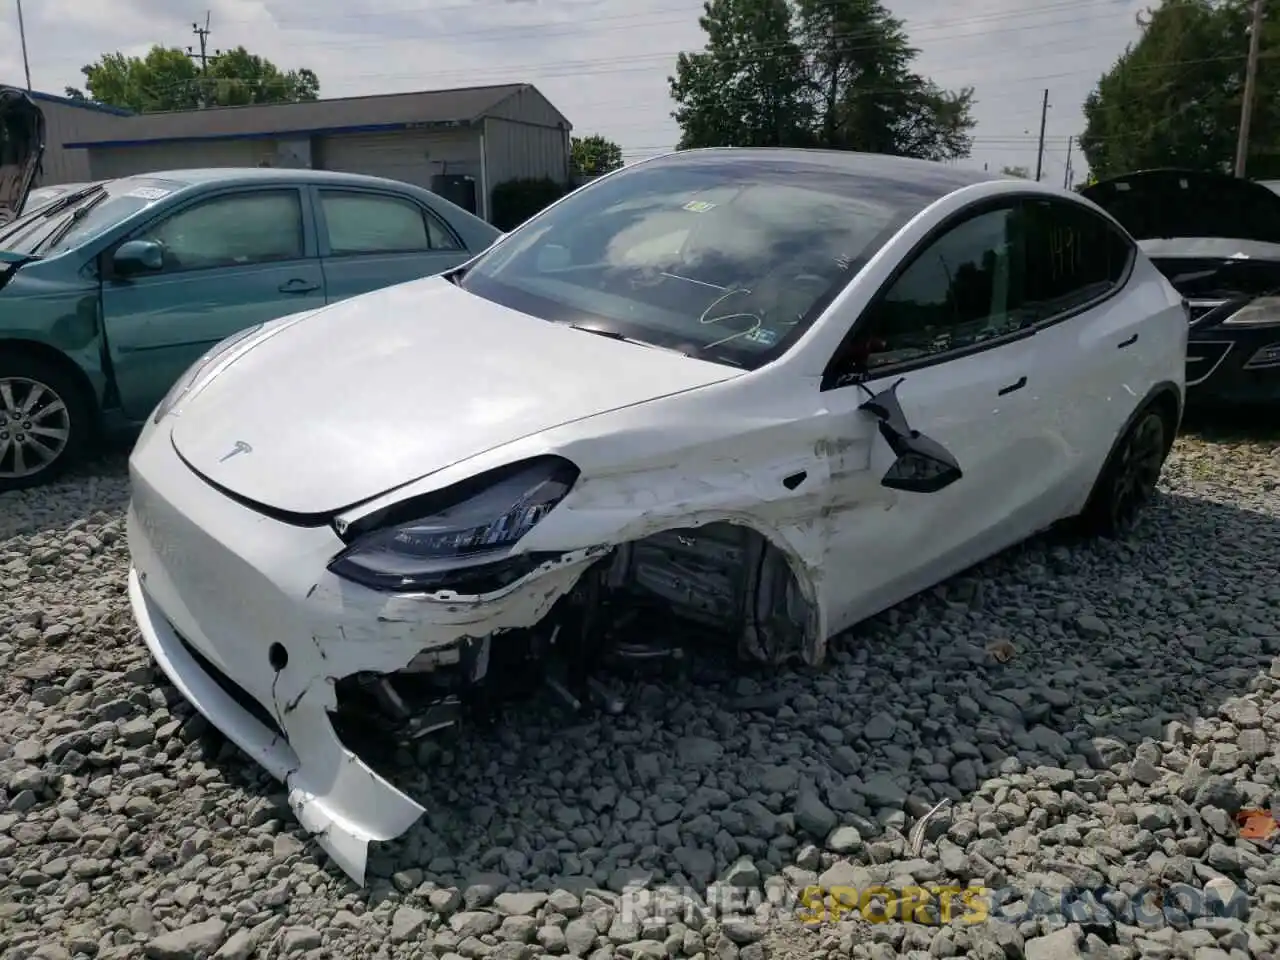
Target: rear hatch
column 21, row 149
column 1215, row 237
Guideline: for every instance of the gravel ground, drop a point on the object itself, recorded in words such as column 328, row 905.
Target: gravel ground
column 1095, row 716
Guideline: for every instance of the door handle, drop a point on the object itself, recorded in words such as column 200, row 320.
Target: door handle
column 298, row 286
column 1022, row 382
column 1128, row 343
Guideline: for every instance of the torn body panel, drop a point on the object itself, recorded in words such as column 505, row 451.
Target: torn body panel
column 214, row 582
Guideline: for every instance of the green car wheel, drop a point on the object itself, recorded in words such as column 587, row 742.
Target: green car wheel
column 44, row 422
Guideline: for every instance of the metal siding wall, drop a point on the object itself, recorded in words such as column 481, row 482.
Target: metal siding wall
column 108, row 162
column 411, row 156
column 529, row 106
column 67, row 124
column 518, row 150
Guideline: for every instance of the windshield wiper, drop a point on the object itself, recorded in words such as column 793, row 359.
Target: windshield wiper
column 63, row 229
column 611, row 334
column 614, row 335
column 28, row 220
column 68, row 199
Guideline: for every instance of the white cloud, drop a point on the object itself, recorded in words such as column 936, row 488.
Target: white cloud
column 604, row 63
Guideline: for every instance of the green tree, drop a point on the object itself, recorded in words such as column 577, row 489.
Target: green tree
column 749, row 86
column 595, row 155
column 168, row 79
column 828, row 73
column 1173, row 98
column 1022, row 172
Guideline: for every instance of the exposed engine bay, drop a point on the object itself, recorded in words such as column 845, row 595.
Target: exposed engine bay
column 650, row 602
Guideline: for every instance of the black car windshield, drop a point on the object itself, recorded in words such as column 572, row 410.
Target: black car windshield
column 92, row 213
column 727, row 261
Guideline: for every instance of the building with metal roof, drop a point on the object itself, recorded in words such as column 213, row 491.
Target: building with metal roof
column 459, row 143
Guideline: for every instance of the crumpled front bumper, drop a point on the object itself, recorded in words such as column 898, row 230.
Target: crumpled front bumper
column 334, row 795
column 241, row 614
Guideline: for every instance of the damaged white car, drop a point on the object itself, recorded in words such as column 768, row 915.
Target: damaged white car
column 770, row 392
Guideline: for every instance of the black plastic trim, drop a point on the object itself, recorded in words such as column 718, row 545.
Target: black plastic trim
column 306, row 520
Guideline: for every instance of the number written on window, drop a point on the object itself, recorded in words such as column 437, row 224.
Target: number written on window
column 1073, row 256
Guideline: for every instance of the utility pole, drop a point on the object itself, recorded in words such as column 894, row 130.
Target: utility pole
column 1066, row 177
column 1044, row 113
column 203, row 56
column 203, row 34
column 1250, row 79
column 22, row 33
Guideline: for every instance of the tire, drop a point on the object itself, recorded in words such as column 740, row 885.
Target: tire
column 61, row 413
column 1128, row 479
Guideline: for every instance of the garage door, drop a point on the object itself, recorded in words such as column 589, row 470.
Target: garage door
column 127, row 161
column 411, row 156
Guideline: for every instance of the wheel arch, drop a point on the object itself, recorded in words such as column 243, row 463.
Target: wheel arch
column 17, row 346
column 767, row 552
column 43, row 352
column 1168, row 399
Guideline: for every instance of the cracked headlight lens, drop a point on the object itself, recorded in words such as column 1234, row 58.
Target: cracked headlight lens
column 460, row 537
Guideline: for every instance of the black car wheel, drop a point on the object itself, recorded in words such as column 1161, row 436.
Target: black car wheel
column 44, row 422
column 1128, row 480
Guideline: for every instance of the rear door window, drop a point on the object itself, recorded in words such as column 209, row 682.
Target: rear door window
column 367, row 223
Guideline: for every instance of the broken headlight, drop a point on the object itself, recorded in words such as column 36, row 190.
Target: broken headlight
column 459, row 538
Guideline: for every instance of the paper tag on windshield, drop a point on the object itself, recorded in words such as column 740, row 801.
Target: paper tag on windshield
column 699, row 206
column 148, row 193
column 763, row 336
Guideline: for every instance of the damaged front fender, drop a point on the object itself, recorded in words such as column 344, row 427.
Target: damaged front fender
column 334, row 794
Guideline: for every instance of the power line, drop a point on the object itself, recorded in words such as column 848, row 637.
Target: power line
column 453, row 37
column 444, row 11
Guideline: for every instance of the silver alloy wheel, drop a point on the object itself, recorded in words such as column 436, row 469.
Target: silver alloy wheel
column 35, row 427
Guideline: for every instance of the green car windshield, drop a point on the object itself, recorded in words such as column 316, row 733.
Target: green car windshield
column 53, row 228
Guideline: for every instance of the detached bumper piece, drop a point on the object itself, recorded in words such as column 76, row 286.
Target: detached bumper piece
column 336, row 797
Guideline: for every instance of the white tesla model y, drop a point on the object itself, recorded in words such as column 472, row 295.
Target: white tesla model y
column 770, row 391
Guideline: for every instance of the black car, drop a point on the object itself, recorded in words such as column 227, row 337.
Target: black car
column 1217, row 239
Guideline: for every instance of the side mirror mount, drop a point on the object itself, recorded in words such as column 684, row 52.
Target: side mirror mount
column 923, row 465
column 137, row 256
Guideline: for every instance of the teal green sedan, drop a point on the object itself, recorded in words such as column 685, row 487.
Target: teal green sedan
column 109, row 291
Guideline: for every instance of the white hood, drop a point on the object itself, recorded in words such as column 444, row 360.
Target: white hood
column 385, row 388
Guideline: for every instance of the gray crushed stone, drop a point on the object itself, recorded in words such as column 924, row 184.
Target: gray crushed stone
column 1138, row 715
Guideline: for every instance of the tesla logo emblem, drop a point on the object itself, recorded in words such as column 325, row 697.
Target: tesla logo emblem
column 239, row 448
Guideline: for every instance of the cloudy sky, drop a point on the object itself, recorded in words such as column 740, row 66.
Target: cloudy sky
column 604, row 63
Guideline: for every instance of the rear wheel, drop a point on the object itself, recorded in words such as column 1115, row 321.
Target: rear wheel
column 1128, row 480
column 44, row 422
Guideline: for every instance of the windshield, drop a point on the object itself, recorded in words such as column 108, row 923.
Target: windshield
column 94, row 211
column 728, row 261
column 40, row 196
